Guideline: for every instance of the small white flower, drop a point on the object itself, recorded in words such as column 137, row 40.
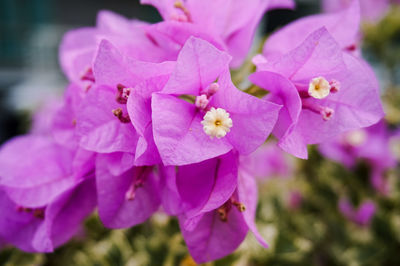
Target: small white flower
column 319, row 88
column 216, row 123
column 356, row 138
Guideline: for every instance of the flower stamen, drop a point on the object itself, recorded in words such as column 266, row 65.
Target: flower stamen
column 139, row 177
column 122, row 94
column 326, row 112
column 217, row 123
column 120, row 115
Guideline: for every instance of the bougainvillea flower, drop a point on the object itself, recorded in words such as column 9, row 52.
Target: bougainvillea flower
column 34, row 170
column 228, row 25
column 371, row 10
column 361, row 216
column 78, row 47
column 268, row 161
column 372, row 144
column 217, row 117
column 198, row 188
column 42, row 229
column 139, row 110
column 343, row 26
column 217, row 233
column 103, row 123
column 127, row 195
column 324, row 90
column 207, row 185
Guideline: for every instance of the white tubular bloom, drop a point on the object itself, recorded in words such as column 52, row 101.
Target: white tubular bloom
column 356, row 138
column 216, row 123
column 319, row 88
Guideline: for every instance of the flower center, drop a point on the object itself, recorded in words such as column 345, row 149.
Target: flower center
column 217, row 123
column 320, row 88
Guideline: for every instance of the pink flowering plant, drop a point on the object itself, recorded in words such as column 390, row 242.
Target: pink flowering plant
column 151, row 122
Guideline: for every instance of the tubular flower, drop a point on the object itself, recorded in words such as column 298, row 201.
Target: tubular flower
column 316, row 84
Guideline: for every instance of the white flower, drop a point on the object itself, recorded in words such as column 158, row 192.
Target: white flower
column 319, row 88
column 356, row 138
column 216, row 123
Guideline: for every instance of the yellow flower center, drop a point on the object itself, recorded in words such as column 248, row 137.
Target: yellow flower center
column 217, row 123
column 319, row 88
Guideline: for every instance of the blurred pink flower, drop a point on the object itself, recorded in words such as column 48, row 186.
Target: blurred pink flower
column 361, row 216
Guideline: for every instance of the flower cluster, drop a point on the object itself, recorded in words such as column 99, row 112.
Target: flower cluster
column 152, row 118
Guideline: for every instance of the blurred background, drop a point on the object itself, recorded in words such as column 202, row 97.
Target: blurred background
column 302, row 210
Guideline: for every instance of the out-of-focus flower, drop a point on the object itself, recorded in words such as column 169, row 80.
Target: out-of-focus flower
column 268, row 161
column 228, row 25
column 42, row 120
column 79, row 47
column 344, row 26
column 351, row 101
column 42, row 229
column 371, row 10
column 394, row 144
column 372, row 144
column 361, row 216
column 34, row 170
column 295, row 199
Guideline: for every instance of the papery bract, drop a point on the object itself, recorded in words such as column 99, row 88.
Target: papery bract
column 217, row 233
column 343, row 26
column 79, row 47
column 49, row 226
column 371, row 10
column 127, row 195
column 372, row 144
column 177, row 128
column 34, row 170
column 308, row 120
column 268, row 161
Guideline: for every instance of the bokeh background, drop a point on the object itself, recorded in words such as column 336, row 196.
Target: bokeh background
column 298, row 211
